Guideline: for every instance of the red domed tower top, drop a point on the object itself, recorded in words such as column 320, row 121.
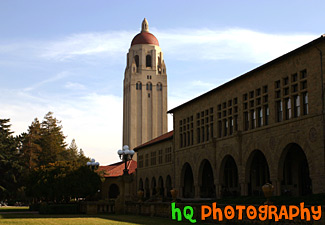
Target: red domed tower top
column 145, row 37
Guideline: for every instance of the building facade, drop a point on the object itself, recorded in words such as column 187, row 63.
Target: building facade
column 264, row 126
column 145, row 90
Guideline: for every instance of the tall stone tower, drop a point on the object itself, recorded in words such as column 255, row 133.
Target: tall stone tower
column 145, row 90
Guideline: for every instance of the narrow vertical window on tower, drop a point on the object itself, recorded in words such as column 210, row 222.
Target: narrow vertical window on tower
column 148, row 61
column 136, row 59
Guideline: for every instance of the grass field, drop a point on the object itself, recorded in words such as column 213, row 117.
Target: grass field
column 37, row 219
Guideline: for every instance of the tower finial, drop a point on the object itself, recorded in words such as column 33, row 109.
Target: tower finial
column 145, row 26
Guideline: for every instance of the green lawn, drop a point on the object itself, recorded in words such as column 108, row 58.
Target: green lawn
column 36, row 219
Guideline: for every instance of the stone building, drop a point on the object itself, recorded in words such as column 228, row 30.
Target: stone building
column 144, row 110
column 266, row 125
column 145, row 90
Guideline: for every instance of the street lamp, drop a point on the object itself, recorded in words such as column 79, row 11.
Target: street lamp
column 126, row 154
column 94, row 165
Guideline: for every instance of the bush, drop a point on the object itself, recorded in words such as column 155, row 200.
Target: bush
column 34, row 207
column 59, row 208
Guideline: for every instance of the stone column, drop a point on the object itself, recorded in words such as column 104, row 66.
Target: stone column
column 277, row 187
column 244, row 189
column 197, row 191
column 218, row 190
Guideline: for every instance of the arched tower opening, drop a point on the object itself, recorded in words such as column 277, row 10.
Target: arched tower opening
column 148, row 61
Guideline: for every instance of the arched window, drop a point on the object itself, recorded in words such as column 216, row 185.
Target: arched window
column 148, row 61
column 159, row 87
column 113, row 191
column 141, row 184
column 149, row 86
column 136, row 59
column 138, row 86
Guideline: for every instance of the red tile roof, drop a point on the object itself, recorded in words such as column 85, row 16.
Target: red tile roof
column 163, row 137
column 145, row 38
column 116, row 169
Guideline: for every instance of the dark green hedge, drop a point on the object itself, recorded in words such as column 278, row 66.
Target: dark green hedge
column 59, row 208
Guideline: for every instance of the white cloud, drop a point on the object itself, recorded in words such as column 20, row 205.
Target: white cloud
column 74, row 86
column 95, row 121
column 54, row 78
column 110, row 44
column 179, row 44
column 235, row 44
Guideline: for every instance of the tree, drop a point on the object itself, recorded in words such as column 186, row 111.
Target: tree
column 10, row 168
column 31, row 149
column 52, row 140
column 61, row 181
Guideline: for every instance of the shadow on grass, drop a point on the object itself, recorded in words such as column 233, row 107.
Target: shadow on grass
column 134, row 219
column 13, row 209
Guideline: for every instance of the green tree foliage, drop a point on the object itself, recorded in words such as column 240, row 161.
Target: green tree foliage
column 40, row 162
column 52, row 140
column 10, row 168
column 44, row 143
column 31, row 149
column 73, row 154
column 61, row 181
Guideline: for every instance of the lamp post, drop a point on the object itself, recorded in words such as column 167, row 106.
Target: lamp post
column 92, row 164
column 126, row 154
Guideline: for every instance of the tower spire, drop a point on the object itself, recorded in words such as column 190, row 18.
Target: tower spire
column 145, row 26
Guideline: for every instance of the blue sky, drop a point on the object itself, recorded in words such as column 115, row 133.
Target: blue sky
column 69, row 56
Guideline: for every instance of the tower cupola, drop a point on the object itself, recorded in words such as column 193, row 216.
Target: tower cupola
column 145, row 37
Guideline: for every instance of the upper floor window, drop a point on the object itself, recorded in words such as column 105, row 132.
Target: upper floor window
column 305, row 103
column 149, row 86
column 279, row 110
column 138, row 86
column 159, row 87
column 148, row 61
